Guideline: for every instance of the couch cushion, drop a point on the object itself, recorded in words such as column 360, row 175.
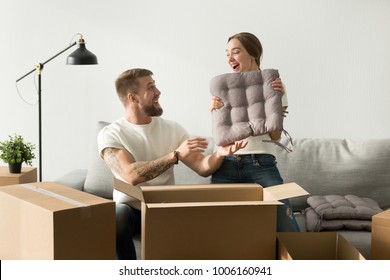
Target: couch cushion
column 315, row 223
column 251, row 106
column 338, row 166
column 99, row 180
column 344, row 207
column 335, row 212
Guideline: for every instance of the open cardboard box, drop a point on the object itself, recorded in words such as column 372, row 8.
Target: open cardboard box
column 214, row 221
column 380, row 236
column 315, row 246
column 50, row 221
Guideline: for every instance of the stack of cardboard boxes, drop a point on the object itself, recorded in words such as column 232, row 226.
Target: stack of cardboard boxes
column 235, row 221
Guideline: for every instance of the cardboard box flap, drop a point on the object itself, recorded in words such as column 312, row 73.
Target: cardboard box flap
column 191, row 193
column 210, row 192
column 251, row 186
column 202, row 193
column 284, row 191
column 52, row 196
column 210, row 204
column 128, row 189
column 346, row 251
column 315, row 246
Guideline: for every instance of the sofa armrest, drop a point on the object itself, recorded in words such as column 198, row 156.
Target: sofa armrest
column 74, row 179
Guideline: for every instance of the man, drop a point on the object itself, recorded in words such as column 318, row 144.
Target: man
column 142, row 148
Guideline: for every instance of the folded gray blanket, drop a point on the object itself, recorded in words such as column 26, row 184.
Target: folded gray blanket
column 335, row 212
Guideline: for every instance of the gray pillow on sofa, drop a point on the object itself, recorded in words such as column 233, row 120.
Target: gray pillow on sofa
column 344, row 207
column 335, row 212
column 314, row 223
column 251, row 106
column 99, row 180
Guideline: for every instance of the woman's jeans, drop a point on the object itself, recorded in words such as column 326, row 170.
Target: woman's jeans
column 128, row 224
column 260, row 169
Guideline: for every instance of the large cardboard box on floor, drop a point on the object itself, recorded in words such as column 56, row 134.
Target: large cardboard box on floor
column 50, row 221
column 380, row 236
column 315, row 246
column 227, row 221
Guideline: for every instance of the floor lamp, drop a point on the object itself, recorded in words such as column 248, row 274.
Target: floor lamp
column 80, row 56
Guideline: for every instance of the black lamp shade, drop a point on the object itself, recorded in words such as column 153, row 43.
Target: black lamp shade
column 81, row 56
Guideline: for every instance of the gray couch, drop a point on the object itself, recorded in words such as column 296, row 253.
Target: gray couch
column 321, row 166
column 340, row 167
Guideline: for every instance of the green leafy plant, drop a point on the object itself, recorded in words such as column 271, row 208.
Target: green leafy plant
column 15, row 150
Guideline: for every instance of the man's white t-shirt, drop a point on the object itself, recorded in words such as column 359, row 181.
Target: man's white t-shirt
column 145, row 143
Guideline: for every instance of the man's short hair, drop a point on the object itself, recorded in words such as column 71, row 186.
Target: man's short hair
column 128, row 82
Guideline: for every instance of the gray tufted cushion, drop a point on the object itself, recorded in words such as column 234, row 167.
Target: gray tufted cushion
column 99, row 180
column 344, row 207
column 315, row 223
column 251, row 106
column 336, row 212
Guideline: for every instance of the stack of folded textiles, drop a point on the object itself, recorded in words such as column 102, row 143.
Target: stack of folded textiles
column 337, row 212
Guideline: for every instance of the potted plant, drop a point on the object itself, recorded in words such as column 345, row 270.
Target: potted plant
column 15, row 151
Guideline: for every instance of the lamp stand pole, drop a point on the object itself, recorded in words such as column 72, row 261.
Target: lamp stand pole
column 38, row 68
column 79, row 57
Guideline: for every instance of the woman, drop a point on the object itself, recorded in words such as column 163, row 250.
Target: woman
column 256, row 162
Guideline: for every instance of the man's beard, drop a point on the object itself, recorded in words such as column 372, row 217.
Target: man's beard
column 152, row 111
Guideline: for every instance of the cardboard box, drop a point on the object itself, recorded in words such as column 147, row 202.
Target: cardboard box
column 380, row 236
column 315, row 246
column 50, row 221
column 28, row 175
column 232, row 221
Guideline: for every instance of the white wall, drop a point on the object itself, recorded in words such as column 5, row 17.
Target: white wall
column 333, row 56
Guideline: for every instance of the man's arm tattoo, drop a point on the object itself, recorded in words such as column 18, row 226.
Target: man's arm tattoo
column 112, row 161
column 152, row 169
